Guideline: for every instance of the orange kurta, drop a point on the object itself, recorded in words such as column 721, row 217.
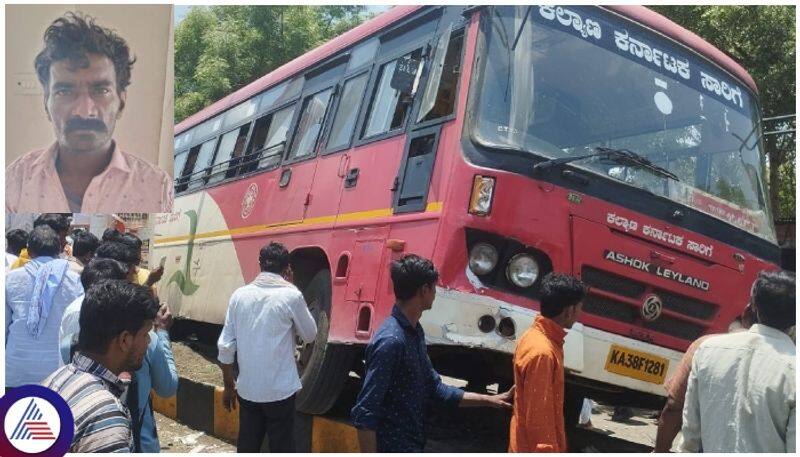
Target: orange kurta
column 537, row 424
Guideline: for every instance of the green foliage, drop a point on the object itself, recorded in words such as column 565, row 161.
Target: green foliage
column 219, row 49
column 763, row 40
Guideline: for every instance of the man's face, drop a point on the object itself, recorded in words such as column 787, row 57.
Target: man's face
column 137, row 347
column 428, row 292
column 574, row 314
column 83, row 103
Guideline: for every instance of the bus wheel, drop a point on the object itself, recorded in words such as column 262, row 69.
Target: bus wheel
column 323, row 367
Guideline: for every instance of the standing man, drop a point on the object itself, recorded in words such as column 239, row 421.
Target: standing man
column 36, row 296
column 121, row 253
column 16, row 241
column 671, row 419
column 97, row 270
column 537, row 424
column 116, row 318
column 400, row 383
column 84, row 243
column 59, row 223
column 741, row 392
column 85, row 70
column 259, row 330
column 157, row 372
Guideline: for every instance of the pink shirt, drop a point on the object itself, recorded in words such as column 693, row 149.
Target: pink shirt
column 128, row 184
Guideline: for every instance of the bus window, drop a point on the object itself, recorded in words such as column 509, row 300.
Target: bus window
column 196, row 164
column 390, row 106
column 280, row 94
column 269, row 141
column 178, row 163
column 363, row 54
column 207, row 128
column 240, row 112
column 308, row 129
column 440, row 93
column 347, row 112
column 231, row 147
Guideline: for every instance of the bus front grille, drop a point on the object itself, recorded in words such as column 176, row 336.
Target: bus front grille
column 611, row 282
column 687, row 306
column 622, row 311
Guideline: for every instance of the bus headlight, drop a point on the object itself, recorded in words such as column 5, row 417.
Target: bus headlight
column 483, row 258
column 522, row 270
column 480, row 202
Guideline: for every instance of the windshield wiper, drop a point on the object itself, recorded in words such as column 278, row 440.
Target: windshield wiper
column 618, row 156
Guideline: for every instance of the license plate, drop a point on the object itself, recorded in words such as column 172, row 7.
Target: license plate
column 636, row 364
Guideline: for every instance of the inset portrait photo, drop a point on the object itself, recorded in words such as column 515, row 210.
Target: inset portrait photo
column 89, row 108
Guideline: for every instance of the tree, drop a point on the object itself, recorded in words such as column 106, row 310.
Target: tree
column 762, row 39
column 219, row 49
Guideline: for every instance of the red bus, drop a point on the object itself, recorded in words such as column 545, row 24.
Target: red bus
column 503, row 142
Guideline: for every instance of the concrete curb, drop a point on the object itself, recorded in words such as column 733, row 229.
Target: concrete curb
column 199, row 406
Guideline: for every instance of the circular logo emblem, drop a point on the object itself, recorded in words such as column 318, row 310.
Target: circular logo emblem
column 249, row 200
column 651, row 309
column 36, row 421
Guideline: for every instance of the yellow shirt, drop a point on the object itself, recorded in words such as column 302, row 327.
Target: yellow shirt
column 142, row 275
column 21, row 260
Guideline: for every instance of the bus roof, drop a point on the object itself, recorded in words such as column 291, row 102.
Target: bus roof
column 640, row 14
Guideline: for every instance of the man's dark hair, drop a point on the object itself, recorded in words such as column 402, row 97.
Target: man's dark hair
column 118, row 251
column 111, row 234
column 411, row 272
column 131, row 240
column 84, row 242
column 57, row 221
column 44, row 241
column 16, row 241
column 774, row 299
column 273, row 258
column 135, row 243
column 110, row 308
column 128, row 239
column 74, row 36
column 559, row 291
column 99, row 269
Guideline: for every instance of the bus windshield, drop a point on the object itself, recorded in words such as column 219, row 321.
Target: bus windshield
column 559, row 82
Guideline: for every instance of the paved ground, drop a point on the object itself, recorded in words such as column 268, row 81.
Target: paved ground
column 463, row 430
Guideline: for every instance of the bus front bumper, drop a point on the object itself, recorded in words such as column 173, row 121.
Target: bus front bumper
column 454, row 318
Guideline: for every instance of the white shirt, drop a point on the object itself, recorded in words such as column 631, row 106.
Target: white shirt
column 10, row 259
column 741, row 394
column 259, row 329
column 30, row 360
column 69, row 328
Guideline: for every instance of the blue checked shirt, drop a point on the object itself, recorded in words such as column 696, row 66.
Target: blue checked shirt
column 399, row 386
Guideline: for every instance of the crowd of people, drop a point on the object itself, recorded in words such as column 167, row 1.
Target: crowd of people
column 732, row 376
column 83, row 319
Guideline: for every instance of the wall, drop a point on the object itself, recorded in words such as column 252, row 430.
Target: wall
column 145, row 128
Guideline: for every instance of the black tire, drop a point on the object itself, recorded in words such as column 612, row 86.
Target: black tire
column 323, row 367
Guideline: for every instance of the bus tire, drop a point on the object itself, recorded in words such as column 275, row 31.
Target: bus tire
column 324, row 374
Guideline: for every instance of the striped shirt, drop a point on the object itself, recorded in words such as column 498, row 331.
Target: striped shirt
column 102, row 422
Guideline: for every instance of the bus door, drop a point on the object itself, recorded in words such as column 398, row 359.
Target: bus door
column 296, row 176
column 370, row 167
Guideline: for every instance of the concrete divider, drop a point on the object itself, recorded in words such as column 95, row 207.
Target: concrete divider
column 199, row 406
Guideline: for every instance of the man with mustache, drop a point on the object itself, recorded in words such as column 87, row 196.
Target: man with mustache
column 85, row 70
